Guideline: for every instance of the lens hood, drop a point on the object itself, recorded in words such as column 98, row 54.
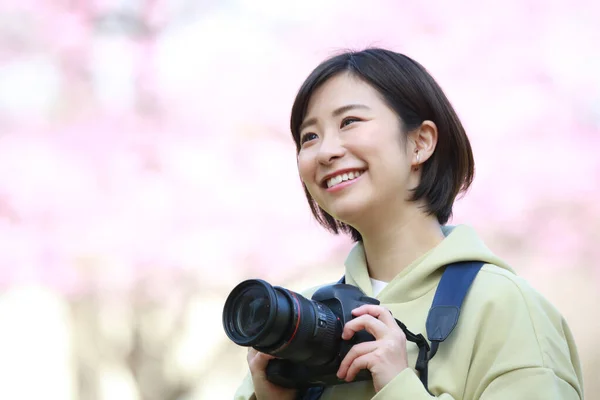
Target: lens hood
column 236, row 303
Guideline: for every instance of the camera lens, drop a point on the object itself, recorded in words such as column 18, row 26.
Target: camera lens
column 253, row 312
column 281, row 322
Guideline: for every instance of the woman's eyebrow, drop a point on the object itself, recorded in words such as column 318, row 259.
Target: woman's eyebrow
column 338, row 111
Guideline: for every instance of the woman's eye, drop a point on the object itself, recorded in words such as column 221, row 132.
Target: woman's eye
column 348, row 121
column 309, row 136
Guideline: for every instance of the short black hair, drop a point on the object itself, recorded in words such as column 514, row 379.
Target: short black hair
column 407, row 87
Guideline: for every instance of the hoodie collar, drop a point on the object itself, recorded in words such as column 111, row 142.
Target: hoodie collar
column 422, row 275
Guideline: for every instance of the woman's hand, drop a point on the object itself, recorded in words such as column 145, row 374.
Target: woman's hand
column 263, row 389
column 385, row 357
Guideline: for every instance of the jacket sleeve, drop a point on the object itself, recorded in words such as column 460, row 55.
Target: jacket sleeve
column 524, row 384
column 517, row 347
column 246, row 390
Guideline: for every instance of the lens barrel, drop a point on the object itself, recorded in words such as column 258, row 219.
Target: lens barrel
column 255, row 314
column 281, row 322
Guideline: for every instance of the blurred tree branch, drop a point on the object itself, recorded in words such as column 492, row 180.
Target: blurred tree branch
column 139, row 331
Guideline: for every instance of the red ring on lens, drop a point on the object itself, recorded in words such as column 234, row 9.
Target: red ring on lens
column 296, row 327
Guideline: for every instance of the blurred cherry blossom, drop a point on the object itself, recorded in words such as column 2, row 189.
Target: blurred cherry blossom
column 145, row 144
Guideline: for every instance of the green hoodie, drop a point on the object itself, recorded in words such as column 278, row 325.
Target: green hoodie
column 509, row 343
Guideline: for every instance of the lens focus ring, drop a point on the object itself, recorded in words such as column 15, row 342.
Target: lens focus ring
column 328, row 329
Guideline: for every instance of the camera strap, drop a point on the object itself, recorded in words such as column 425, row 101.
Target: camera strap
column 441, row 320
column 422, row 359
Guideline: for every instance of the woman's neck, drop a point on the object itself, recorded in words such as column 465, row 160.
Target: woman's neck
column 395, row 244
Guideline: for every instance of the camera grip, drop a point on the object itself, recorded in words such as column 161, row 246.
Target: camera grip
column 284, row 373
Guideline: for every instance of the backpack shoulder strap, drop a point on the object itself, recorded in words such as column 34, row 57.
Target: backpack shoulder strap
column 313, row 393
column 445, row 309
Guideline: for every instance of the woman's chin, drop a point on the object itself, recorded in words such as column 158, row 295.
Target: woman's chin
column 349, row 214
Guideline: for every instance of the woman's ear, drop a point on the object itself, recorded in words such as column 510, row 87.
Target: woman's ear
column 423, row 141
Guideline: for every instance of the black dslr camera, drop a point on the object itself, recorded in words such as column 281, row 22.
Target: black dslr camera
column 305, row 335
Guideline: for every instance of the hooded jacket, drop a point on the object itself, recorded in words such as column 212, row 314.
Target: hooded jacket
column 509, row 343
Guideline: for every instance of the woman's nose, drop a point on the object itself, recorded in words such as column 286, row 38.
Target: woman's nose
column 330, row 149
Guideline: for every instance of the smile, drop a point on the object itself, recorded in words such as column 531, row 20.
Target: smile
column 343, row 177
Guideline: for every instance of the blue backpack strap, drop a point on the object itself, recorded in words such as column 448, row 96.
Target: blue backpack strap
column 313, row 393
column 445, row 309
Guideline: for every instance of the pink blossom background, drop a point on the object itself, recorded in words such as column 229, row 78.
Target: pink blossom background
column 146, row 167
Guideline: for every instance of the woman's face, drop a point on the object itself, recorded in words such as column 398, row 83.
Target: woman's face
column 353, row 159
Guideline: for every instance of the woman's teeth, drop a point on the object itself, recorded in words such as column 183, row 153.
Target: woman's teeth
column 342, row 178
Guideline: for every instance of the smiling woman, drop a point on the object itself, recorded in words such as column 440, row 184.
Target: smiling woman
column 382, row 156
column 373, row 88
column 366, row 136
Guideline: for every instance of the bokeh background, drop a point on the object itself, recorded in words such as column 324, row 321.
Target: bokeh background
column 146, row 167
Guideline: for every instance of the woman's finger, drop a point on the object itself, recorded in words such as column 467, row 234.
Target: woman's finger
column 258, row 361
column 371, row 324
column 379, row 312
column 359, row 363
column 356, row 351
column 251, row 354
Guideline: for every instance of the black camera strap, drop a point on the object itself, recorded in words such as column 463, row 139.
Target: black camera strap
column 441, row 320
column 422, row 358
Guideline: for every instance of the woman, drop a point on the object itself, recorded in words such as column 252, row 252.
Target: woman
column 382, row 156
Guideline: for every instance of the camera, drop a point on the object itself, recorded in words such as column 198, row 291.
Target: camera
column 304, row 335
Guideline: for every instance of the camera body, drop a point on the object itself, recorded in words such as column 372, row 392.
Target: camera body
column 338, row 300
column 304, row 335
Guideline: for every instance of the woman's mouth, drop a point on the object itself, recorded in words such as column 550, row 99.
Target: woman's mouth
column 341, row 178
